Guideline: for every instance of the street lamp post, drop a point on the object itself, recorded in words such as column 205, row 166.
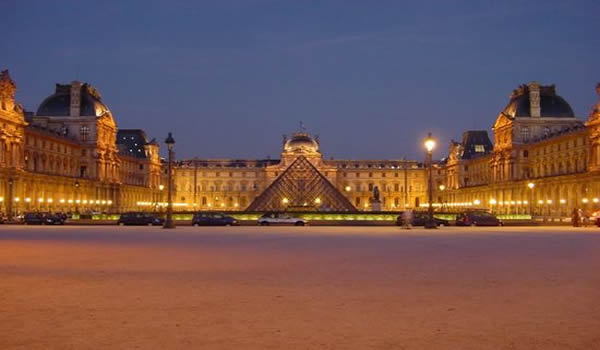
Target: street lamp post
column 160, row 199
column 77, row 197
column 9, row 208
column 170, row 142
column 531, row 186
column 429, row 146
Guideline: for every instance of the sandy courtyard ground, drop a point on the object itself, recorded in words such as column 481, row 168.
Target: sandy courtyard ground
column 299, row 288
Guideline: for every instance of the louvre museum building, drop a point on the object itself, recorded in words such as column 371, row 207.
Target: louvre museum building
column 69, row 155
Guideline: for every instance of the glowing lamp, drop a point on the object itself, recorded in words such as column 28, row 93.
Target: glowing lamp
column 429, row 143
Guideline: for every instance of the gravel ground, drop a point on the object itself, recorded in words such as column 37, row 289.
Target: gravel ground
column 299, row 288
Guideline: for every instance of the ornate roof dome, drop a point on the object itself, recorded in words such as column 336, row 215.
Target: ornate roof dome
column 59, row 103
column 301, row 142
column 550, row 104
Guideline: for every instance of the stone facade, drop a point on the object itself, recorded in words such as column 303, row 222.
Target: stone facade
column 544, row 160
column 231, row 184
column 66, row 156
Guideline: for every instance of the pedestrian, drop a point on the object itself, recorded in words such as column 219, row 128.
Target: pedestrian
column 407, row 219
column 585, row 216
column 575, row 217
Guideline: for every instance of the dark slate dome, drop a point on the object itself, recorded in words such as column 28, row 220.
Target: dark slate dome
column 551, row 104
column 59, row 104
column 301, row 142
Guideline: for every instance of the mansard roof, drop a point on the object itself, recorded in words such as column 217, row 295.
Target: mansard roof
column 473, row 138
column 551, row 104
column 59, row 103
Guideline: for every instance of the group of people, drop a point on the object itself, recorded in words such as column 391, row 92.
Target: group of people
column 580, row 217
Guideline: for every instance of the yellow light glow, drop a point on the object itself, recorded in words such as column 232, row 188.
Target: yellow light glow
column 27, row 199
column 366, row 205
column 285, row 201
column 1, row 199
column 161, row 187
column 549, row 201
column 40, row 200
column 512, row 203
column 585, row 200
column 62, row 201
column 17, row 199
column 519, row 202
column 85, row 201
column 236, row 205
column 531, row 185
column 442, row 187
column 49, row 200
column 525, row 202
column 477, row 202
column 493, row 201
column 429, row 143
column 209, row 205
column 70, row 201
column 595, row 200
column 348, row 188
column 318, row 200
column 78, row 201
column 563, row 201
column 540, row 201
column 103, row 202
column 222, row 204
column 109, row 202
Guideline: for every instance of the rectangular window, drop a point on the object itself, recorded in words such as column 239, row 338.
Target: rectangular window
column 479, row 148
column 525, row 134
column 84, row 132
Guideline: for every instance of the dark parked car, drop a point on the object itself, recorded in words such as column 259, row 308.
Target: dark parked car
column 33, row 219
column 138, row 218
column 419, row 218
column 213, row 219
column 42, row 219
column 477, row 218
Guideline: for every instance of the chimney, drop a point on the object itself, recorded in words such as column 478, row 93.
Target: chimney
column 534, row 99
column 75, row 98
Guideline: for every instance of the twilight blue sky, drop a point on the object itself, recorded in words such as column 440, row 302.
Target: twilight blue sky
column 370, row 77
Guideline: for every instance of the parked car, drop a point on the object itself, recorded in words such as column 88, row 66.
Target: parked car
column 477, row 218
column 42, row 219
column 139, row 218
column 213, row 219
column 280, row 219
column 53, row 219
column 419, row 218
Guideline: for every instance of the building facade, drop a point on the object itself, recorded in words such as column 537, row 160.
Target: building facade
column 543, row 161
column 300, row 180
column 69, row 156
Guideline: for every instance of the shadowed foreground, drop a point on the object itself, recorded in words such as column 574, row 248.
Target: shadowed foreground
column 299, row 288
